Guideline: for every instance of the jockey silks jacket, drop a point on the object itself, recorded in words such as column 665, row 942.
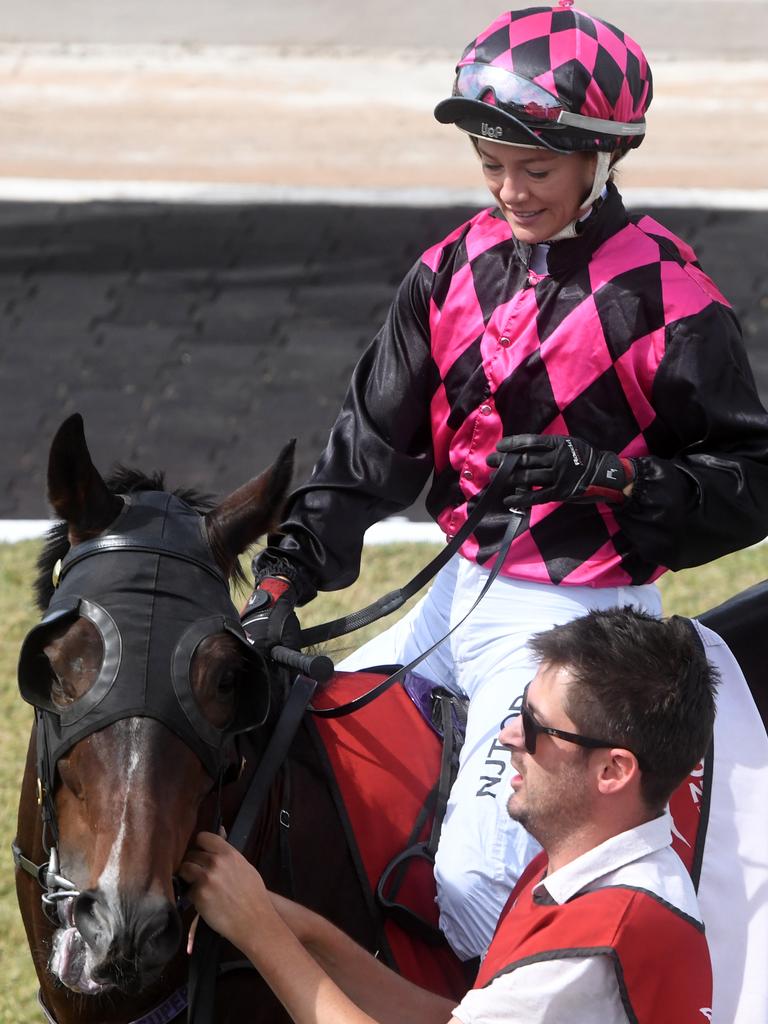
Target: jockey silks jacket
column 624, row 342
column 659, row 954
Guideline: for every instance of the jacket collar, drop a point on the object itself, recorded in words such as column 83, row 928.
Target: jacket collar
column 616, row 852
column 608, row 216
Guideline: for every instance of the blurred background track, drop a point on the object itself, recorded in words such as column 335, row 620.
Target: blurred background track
column 198, row 336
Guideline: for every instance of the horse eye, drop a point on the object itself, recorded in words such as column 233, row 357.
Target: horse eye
column 228, row 682
column 59, row 693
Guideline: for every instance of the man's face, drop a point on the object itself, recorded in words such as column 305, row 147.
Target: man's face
column 552, row 791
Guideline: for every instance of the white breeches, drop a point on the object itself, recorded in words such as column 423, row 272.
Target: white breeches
column 481, row 851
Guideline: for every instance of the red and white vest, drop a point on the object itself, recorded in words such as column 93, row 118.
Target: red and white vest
column 659, row 954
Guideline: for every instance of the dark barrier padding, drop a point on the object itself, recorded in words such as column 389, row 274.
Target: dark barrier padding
column 197, row 339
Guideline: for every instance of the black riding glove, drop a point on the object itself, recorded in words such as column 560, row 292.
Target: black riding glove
column 268, row 617
column 563, row 469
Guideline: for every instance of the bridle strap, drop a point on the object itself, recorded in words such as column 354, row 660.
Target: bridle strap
column 46, row 1012
column 20, row 861
column 45, row 782
column 166, row 1012
column 114, row 542
column 205, row 954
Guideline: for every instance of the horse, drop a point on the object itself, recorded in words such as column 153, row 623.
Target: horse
column 136, row 763
column 152, row 715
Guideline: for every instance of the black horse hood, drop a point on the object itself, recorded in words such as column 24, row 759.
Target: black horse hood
column 154, row 593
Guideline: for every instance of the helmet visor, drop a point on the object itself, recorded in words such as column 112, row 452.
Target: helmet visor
column 515, row 94
column 530, row 103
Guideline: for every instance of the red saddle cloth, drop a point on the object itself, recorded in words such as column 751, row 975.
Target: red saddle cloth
column 383, row 763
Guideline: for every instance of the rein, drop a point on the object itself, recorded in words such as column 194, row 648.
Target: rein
column 202, row 972
column 390, row 602
column 204, row 962
column 360, row 702
column 199, row 996
column 396, row 598
column 202, row 985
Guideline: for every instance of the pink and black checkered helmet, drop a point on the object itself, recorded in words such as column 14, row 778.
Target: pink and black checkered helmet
column 554, row 77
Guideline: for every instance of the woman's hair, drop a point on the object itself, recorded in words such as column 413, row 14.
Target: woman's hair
column 642, row 682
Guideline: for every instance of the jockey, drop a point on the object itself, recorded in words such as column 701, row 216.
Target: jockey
column 586, row 341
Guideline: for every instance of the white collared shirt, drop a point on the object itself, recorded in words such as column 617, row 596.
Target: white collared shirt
column 584, row 989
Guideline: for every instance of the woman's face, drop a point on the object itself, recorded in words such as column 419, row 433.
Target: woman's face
column 538, row 191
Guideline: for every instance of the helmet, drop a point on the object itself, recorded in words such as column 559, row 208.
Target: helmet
column 553, row 77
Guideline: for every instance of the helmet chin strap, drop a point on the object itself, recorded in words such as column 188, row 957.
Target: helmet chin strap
column 602, row 170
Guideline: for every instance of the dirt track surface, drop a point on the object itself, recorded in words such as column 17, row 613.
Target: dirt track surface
column 257, row 116
column 325, row 93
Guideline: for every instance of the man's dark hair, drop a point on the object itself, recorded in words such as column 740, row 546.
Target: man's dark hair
column 642, row 682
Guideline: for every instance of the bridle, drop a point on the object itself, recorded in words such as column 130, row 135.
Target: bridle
column 151, row 587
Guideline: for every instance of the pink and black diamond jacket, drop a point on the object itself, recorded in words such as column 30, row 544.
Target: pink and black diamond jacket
column 624, row 342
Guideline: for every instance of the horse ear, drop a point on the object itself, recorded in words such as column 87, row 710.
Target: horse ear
column 252, row 510
column 76, row 491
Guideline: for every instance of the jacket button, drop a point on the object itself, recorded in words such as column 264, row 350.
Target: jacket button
column 505, row 342
column 467, row 474
column 486, row 410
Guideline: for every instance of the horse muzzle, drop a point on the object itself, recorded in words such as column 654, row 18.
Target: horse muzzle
column 122, row 946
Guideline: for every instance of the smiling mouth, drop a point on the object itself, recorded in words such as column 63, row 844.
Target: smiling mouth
column 528, row 215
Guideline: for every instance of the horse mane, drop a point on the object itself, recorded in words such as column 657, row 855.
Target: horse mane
column 121, row 480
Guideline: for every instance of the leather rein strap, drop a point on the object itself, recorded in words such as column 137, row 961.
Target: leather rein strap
column 490, row 498
column 515, row 519
column 203, row 967
column 396, row 598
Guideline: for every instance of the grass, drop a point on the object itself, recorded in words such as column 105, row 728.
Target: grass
column 686, row 593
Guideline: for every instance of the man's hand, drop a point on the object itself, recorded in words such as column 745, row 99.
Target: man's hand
column 268, row 617
column 226, row 890
column 562, row 469
column 317, row 972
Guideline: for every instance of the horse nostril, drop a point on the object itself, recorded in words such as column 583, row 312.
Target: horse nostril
column 92, row 919
column 159, row 935
column 130, row 945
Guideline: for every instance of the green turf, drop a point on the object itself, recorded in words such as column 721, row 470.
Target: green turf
column 688, row 592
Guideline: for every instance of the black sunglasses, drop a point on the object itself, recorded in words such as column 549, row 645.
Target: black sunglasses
column 532, row 728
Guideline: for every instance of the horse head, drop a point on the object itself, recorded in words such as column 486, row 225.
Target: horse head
column 143, row 681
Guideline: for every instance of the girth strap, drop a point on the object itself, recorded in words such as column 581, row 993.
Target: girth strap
column 393, row 874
